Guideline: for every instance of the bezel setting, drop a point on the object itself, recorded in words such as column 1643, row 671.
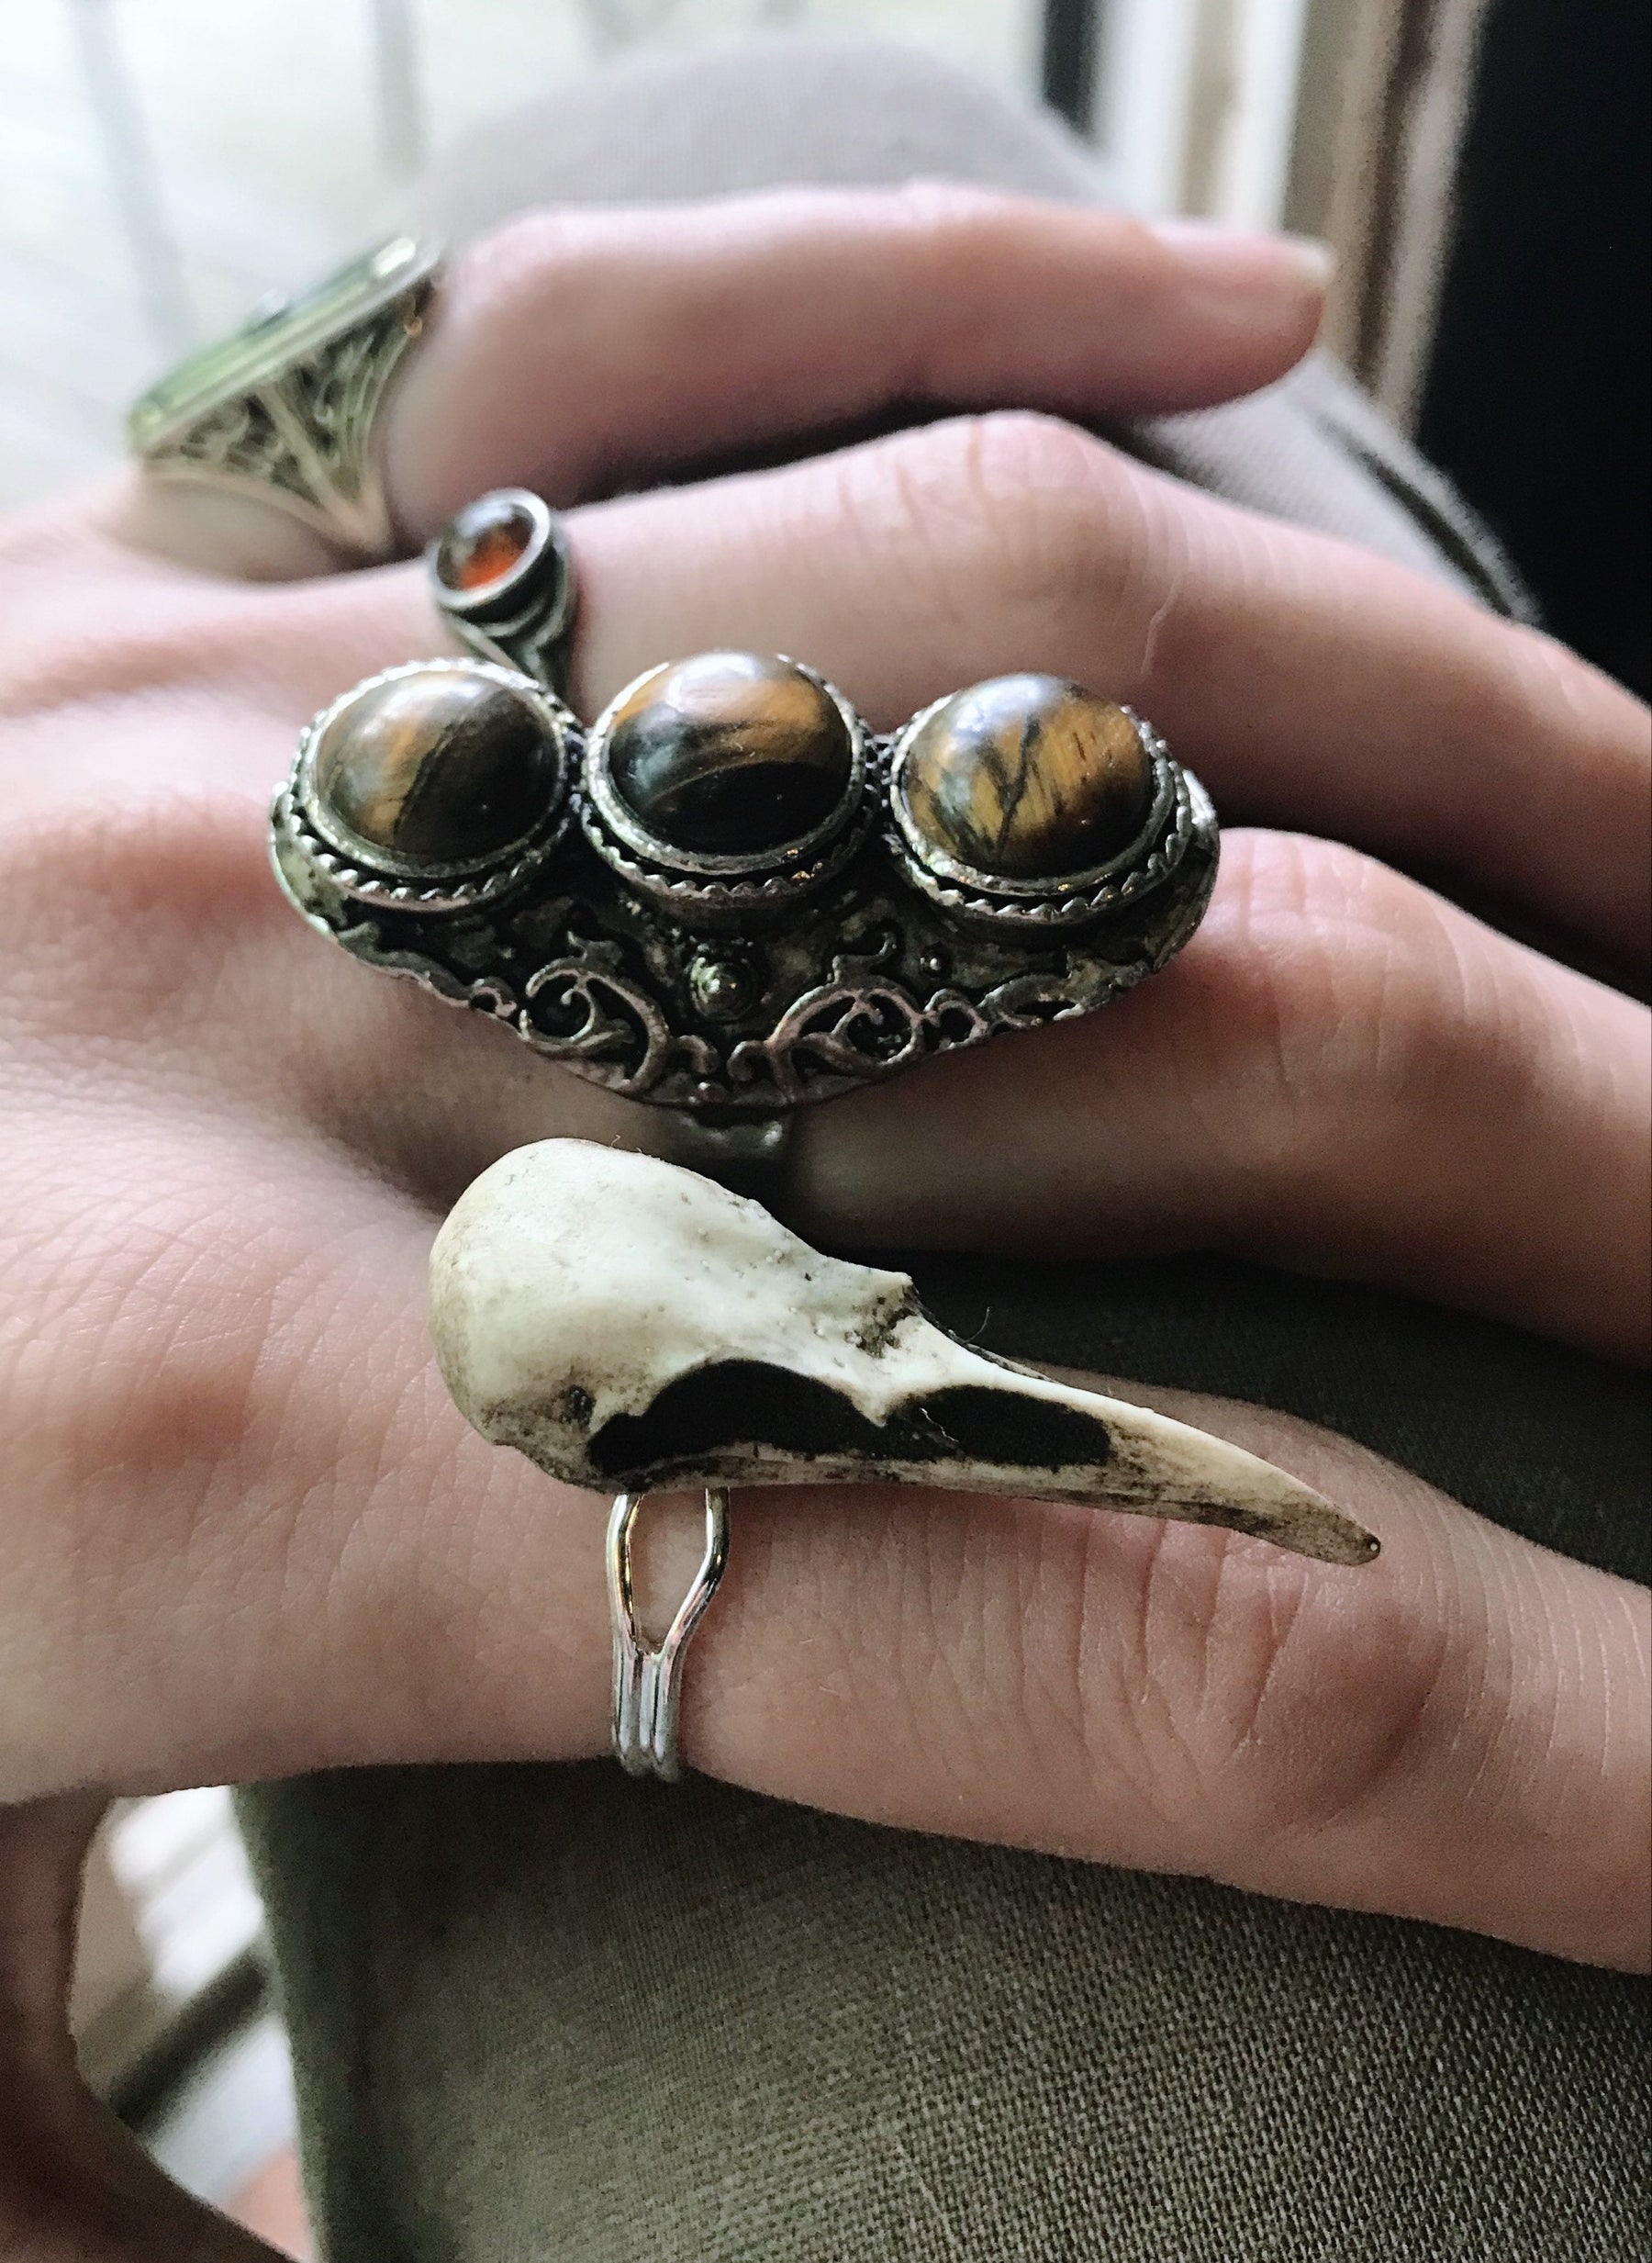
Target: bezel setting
column 1065, row 900
column 345, row 861
column 523, row 617
column 755, row 884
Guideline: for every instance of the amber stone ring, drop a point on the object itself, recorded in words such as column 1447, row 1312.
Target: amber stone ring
column 729, row 897
column 502, row 576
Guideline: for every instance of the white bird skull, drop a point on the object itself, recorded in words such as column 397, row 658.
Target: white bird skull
column 629, row 1325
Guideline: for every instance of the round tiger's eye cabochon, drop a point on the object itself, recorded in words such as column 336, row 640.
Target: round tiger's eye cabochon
column 1028, row 778
column 440, row 767
column 728, row 754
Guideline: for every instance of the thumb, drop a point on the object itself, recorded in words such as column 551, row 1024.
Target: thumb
column 74, row 2186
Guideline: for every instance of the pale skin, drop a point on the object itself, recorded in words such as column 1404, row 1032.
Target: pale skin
column 245, row 1533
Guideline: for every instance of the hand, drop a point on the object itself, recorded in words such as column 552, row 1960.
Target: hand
column 246, row 1533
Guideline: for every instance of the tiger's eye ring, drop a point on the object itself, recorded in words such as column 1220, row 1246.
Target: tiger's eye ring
column 1028, row 802
column 730, row 898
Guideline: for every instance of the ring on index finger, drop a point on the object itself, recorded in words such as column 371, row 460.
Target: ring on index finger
column 286, row 409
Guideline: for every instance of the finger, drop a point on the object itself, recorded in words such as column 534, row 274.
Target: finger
column 577, row 352
column 1419, row 1736
column 1340, row 1074
column 302, row 1559
column 784, row 314
column 272, row 1546
column 1310, row 684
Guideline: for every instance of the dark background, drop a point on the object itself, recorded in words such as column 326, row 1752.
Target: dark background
column 1539, row 399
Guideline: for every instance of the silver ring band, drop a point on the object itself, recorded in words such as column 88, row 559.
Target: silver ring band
column 647, row 1682
column 286, row 410
column 501, row 574
column 750, row 1155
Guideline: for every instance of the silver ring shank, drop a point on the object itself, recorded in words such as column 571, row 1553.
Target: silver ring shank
column 285, row 411
column 647, row 1688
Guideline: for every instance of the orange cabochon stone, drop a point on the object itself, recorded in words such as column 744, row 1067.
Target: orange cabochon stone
column 484, row 543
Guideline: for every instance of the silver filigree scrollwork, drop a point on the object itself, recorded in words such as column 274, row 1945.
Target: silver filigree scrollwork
column 588, row 1018
column 483, row 993
column 285, row 410
column 845, row 1034
column 867, row 978
column 304, row 438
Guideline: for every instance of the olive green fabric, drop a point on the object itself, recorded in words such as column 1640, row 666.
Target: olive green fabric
column 550, row 2013
column 566, row 2016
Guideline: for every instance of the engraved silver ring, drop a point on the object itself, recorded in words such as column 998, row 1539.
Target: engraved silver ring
column 286, row 409
column 729, row 897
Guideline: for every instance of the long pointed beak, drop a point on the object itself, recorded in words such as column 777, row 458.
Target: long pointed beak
column 627, row 1325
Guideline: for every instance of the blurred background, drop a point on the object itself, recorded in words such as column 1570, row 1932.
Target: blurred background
column 1480, row 166
column 164, row 163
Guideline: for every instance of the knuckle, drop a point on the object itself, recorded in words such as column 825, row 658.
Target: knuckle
column 89, row 620
column 512, row 264
column 111, row 909
column 946, row 221
column 1302, row 1719
column 932, row 199
column 1533, row 691
column 1013, row 457
column 1015, row 509
column 1345, row 1002
column 120, row 639
column 1257, row 1710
